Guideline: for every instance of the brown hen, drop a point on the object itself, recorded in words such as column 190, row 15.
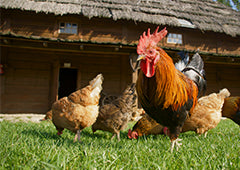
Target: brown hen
column 115, row 116
column 231, row 109
column 145, row 126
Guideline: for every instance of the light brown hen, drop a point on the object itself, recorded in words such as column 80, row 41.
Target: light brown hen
column 79, row 110
column 207, row 113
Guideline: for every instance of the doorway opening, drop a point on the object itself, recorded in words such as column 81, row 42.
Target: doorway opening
column 67, row 82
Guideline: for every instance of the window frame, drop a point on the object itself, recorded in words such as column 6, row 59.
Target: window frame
column 174, row 38
column 66, row 29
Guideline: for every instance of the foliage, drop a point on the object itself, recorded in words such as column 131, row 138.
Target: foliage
column 36, row 146
column 231, row 3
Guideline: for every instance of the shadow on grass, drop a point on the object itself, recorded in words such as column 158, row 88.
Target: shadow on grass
column 88, row 139
column 68, row 136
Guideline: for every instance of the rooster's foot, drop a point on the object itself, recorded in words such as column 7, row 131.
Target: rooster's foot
column 177, row 143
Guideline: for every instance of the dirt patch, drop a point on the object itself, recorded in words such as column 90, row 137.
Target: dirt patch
column 22, row 117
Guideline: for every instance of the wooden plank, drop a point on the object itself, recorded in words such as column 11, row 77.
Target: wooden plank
column 27, row 83
column 221, row 76
column 53, row 83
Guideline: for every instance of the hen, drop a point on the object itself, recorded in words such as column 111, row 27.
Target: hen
column 165, row 93
column 48, row 116
column 79, row 110
column 231, row 109
column 206, row 115
column 145, row 126
column 115, row 116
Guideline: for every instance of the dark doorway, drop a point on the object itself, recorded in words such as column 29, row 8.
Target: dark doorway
column 67, row 82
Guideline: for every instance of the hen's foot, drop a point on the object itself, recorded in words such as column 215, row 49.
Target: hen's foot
column 113, row 136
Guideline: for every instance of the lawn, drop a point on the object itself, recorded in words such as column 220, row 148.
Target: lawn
column 36, row 146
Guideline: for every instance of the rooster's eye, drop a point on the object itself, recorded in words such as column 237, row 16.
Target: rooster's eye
column 150, row 51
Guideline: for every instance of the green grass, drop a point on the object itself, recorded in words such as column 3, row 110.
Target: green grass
column 36, row 146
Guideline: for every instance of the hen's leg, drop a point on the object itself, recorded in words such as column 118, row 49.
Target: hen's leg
column 205, row 134
column 177, row 143
column 77, row 136
column 113, row 136
column 60, row 131
column 118, row 136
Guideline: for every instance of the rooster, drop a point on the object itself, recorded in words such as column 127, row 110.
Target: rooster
column 231, row 109
column 79, row 110
column 115, row 116
column 165, row 93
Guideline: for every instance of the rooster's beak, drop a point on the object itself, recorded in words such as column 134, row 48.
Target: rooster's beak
column 140, row 57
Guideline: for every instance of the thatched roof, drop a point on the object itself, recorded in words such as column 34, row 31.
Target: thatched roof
column 205, row 15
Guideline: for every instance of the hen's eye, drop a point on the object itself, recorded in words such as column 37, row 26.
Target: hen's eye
column 150, row 51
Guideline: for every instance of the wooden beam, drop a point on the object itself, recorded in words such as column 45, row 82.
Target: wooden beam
column 65, row 46
column 54, row 82
column 89, row 48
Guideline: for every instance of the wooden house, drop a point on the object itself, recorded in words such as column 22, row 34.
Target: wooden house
column 50, row 48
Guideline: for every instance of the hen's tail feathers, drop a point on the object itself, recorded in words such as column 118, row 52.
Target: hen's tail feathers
column 96, row 84
column 129, row 95
column 130, row 89
column 224, row 93
column 97, row 81
column 236, row 117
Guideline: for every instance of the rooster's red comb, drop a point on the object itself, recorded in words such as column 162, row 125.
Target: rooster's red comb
column 150, row 39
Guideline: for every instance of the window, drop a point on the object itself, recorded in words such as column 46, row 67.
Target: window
column 69, row 28
column 174, row 38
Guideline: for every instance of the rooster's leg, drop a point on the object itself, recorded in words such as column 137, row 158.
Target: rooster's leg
column 177, row 143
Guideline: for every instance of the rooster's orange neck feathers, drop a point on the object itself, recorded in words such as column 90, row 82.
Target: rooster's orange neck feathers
column 173, row 87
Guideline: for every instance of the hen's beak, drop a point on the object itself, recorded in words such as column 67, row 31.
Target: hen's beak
column 140, row 57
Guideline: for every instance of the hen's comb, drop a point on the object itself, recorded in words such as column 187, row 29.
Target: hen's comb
column 150, row 39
